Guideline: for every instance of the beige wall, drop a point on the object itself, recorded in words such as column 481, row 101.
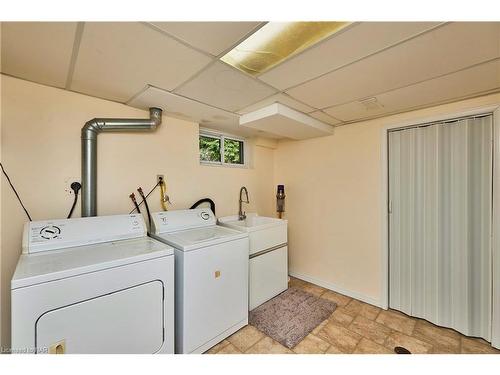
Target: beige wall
column 333, row 187
column 1, row 183
column 41, row 151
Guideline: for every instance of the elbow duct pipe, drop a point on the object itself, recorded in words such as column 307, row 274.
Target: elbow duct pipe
column 89, row 151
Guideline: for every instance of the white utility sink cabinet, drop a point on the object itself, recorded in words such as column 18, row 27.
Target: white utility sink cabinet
column 268, row 272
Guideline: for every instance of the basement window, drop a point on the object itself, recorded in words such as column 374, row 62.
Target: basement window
column 221, row 149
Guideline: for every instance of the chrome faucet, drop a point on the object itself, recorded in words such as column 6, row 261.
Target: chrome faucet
column 241, row 213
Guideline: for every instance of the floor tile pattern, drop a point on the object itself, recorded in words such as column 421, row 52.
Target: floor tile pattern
column 360, row 328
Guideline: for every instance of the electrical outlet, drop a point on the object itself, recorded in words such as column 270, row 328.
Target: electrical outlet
column 159, row 176
column 67, row 184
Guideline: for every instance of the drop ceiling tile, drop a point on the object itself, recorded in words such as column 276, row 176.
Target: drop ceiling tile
column 179, row 107
column 224, row 87
column 38, row 51
column 356, row 110
column 322, row 116
column 211, row 37
column 441, row 51
column 190, row 110
column 278, row 98
column 349, row 45
column 479, row 79
column 117, row 59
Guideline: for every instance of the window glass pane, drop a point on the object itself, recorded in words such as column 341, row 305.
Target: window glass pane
column 210, row 149
column 233, row 151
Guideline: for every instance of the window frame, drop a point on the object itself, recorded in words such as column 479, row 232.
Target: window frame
column 209, row 133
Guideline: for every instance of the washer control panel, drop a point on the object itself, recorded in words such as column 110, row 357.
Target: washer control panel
column 170, row 221
column 57, row 234
column 50, row 231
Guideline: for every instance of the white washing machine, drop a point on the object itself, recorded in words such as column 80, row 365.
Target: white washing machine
column 93, row 285
column 211, row 277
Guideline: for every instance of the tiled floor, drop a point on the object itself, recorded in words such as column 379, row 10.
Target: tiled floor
column 357, row 327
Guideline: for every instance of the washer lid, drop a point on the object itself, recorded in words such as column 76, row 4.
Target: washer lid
column 192, row 239
column 52, row 265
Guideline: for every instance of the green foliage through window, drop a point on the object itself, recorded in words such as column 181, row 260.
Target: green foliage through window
column 233, row 151
column 209, row 148
column 212, row 147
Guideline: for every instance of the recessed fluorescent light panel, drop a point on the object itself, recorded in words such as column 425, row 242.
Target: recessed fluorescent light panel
column 275, row 42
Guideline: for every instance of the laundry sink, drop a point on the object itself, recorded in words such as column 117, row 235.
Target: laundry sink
column 252, row 222
column 264, row 232
column 268, row 264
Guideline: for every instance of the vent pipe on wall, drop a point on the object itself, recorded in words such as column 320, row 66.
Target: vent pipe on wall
column 89, row 151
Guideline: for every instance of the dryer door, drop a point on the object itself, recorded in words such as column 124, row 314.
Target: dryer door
column 126, row 321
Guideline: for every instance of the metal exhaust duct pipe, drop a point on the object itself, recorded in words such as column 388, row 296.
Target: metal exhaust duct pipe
column 89, row 151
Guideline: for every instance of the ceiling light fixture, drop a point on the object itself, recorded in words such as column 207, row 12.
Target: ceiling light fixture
column 275, row 42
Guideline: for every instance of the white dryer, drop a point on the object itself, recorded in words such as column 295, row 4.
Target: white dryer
column 93, row 285
column 211, row 277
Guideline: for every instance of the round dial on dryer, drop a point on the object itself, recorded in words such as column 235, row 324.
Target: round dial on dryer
column 50, row 231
